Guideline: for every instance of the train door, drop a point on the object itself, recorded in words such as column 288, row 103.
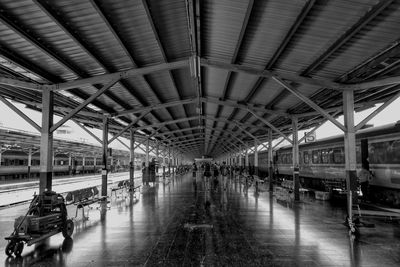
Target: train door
column 364, row 154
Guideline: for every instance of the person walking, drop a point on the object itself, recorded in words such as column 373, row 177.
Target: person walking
column 224, row 174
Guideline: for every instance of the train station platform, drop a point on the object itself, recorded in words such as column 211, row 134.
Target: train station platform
column 176, row 223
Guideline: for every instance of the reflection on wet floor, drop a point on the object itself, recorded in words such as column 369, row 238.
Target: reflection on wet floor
column 181, row 222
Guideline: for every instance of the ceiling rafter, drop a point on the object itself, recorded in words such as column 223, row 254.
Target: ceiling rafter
column 235, row 54
column 129, row 53
column 164, row 56
column 30, row 36
column 299, row 20
column 361, row 23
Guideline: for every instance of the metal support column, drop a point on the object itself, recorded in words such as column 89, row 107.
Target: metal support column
column 147, row 162
column 94, row 163
column 169, row 160
column 132, row 161
column 163, row 163
column 256, row 157
column 83, row 164
column 104, row 171
column 246, row 159
column 349, row 149
column 46, row 142
column 295, row 155
column 70, row 164
column 157, row 156
column 240, row 157
column 270, row 161
column 29, row 162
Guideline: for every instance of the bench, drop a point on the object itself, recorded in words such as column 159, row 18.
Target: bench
column 125, row 184
column 84, row 197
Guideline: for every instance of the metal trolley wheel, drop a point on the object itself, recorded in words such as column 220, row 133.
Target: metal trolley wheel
column 15, row 247
column 68, row 228
column 19, row 247
column 10, row 248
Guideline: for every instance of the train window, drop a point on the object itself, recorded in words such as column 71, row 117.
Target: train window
column 396, row 151
column 325, row 156
column 358, row 154
column 306, row 157
column 384, row 152
column 377, row 153
column 316, row 155
column 289, row 158
column 338, row 156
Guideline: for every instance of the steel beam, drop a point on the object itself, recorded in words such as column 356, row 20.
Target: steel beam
column 154, row 107
column 308, row 102
column 21, row 84
column 21, row 114
column 234, row 104
column 130, row 125
column 119, row 75
column 377, row 111
column 104, row 171
column 270, row 74
column 165, row 123
column 46, row 143
column 84, row 104
column 295, row 155
column 350, row 150
column 369, row 16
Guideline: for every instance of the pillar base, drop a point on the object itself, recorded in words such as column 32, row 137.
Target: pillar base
column 45, row 181
column 104, row 175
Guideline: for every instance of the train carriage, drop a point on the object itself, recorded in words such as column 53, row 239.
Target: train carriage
column 322, row 162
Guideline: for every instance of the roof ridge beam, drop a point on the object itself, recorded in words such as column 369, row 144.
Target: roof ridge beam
column 176, row 131
column 165, row 123
column 269, row 74
column 234, row 104
column 21, row 84
column 154, row 107
column 119, row 75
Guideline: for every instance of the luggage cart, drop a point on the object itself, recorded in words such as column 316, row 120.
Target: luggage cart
column 46, row 216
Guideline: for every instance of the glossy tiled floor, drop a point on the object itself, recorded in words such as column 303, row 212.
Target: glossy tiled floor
column 180, row 224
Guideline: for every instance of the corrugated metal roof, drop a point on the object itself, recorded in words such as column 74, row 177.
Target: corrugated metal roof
column 54, row 42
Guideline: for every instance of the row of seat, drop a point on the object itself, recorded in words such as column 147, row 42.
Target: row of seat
column 84, row 195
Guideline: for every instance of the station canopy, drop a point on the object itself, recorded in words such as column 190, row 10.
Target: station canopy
column 205, row 77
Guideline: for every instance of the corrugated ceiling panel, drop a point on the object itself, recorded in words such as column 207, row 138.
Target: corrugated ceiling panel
column 25, row 49
column 321, row 28
column 86, row 20
column 135, row 29
column 162, row 83
column 380, row 32
column 184, row 83
column 267, row 91
column 219, row 32
column 240, row 85
column 214, row 81
column 170, row 19
column 269, row 23
column 142, row 90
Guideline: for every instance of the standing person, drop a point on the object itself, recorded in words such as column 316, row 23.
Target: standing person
column 364, row 177
column 207, row 174
column 194, row 170
column 215, row 174
column 224, row 173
